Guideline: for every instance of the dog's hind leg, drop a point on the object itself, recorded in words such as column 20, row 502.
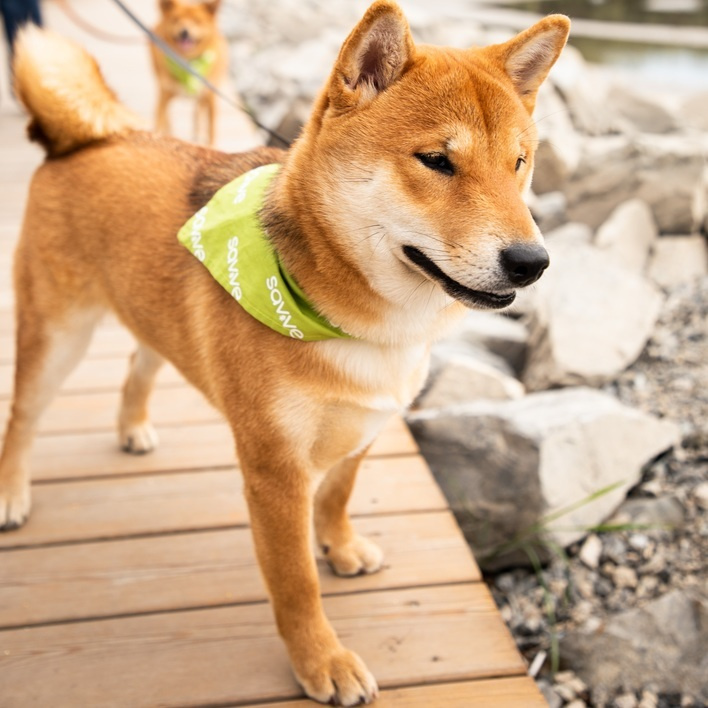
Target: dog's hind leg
column 48, row 348
column 346, row 552
column 135, row 430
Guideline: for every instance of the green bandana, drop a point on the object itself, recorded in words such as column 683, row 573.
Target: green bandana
column 227, row 237
column 200, row 64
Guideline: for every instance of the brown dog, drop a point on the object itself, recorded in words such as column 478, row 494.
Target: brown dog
column 192, row 32
column 399, row 206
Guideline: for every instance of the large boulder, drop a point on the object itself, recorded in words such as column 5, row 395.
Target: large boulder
column 665, row 640
column 643, row 112
column 667, row 171
column 462, row 379
column 678, row 259
column 629, row 235
column 592, row 318
column 505, row 466
column 585, row 90
column 496, row 333
column 559, row 145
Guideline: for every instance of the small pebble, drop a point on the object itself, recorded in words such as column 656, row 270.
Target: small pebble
column 624, row 577
column 700, row 493
column 626, row 700
column 590, row 551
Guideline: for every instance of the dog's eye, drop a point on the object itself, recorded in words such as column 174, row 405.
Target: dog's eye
column 519, row 162
column 436, row 161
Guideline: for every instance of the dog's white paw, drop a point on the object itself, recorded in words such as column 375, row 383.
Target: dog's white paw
column 139, row 438
column 354, row 558
column 340, row 679
column 15, row 504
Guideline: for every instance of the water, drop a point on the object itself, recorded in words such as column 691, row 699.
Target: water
column 678, row 67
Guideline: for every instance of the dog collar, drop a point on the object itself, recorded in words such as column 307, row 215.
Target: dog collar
column 227, row 237
column 201, row 65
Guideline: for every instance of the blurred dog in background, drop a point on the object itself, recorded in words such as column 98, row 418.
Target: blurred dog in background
column 191, row 30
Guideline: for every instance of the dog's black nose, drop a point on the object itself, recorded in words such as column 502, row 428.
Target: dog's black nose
column 183, row 35
column 524, row 263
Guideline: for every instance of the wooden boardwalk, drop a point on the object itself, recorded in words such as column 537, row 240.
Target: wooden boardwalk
column 134, row 583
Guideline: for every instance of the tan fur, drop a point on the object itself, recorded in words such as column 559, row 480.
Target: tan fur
column 199, row 20
column 100, row 233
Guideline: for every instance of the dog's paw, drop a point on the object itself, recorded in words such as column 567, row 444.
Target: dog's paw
column 341, row 679
column 354, row 558
column 138, row 439
column 14, row 505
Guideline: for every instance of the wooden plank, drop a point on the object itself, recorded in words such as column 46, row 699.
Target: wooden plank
column 108, row 342
column 512, row 692
column 171, row 406
column 177, row 405
column 232, row 655
column 73, row 456
column 93, row 375
column 130, row 506
column 209, row 568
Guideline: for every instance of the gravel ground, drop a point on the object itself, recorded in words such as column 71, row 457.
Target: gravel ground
column 666, row 546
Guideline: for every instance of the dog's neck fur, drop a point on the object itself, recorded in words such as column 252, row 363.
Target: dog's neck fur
column 309, row 241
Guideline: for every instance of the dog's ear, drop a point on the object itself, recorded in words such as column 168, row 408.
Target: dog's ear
column 374, row 56
column 166, row 6
column 212, row 6
column 528, row 57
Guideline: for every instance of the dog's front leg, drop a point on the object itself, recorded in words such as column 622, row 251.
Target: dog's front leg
column 280, row 502
column 162, row 116
column 346, row 551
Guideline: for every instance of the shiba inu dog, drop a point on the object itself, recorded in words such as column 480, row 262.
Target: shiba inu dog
column 191, row 30
column 399, row 206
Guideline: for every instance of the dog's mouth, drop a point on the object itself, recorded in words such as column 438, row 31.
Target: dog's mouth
column 185, row 41
column 465, row 295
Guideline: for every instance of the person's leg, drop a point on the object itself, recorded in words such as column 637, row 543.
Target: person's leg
column 16, row 13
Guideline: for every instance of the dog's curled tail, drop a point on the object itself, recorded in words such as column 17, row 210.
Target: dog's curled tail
column 61, row 86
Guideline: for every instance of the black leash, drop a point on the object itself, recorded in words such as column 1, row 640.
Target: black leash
column 166, row 49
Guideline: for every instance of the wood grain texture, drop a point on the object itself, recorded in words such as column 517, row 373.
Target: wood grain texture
column 224, row 655
column 93, row 375
column 514, row 692
column 96, row 454
column 179, row 405
column 176, row 405
column 209, row 568
column 108, row 342
column 130, row 506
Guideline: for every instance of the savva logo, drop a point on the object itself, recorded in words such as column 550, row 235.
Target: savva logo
column 276, row 297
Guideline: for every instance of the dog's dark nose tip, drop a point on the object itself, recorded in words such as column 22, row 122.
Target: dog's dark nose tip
column 183, row 35
column 524, row 263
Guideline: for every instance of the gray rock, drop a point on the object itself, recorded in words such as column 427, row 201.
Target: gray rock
column 590, row 551
column 504, row 466
column 592, row 319
column 695, row 111
column 585, row 90
column 644, row 112
column 549, row 210
column 666, row 171
column 569, row 235
column 678, row 259
column 629, row 235
column 676, row 196
column 292, row 122
column 624, row 577
column 700, row 494
column 665, row 639
column 660, row 513
column 499, row 334
column 463, row 379
column 559, row 145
